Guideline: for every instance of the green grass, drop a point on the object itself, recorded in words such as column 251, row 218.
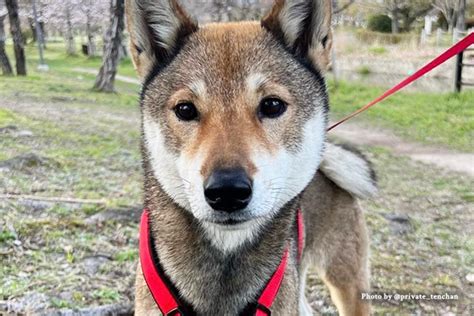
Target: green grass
column 6, row 117
column 445, row 119
column 128, row 255
column 378, row 50
column 106, row 295
column 62, row 83
column 364, row 70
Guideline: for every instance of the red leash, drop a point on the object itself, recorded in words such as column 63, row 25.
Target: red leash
column 441, row 59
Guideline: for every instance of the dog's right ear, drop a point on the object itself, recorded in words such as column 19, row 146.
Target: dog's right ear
column 157, row 29
column 304, row 26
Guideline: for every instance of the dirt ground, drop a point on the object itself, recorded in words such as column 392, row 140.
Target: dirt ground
column 77, row 258
column 366, row 135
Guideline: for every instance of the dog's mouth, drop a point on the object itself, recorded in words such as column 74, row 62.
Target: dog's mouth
column 230, row 220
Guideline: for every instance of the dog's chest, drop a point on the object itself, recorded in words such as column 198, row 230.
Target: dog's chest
column 213, row 291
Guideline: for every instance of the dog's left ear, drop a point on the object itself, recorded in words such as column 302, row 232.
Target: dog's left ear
column 305, row 28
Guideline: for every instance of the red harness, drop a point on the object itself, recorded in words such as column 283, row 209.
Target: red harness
column 168, row 302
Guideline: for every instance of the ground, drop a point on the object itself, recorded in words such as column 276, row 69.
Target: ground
column 60, row 140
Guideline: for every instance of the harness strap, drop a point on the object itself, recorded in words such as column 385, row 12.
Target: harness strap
column 164, row 299
column 271, row 290
column 169, row 304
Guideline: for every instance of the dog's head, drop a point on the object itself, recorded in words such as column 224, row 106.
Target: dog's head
column 234, row 115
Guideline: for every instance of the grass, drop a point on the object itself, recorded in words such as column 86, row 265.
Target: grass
column 62, row 83
column 445, row 119
column 107, row 295
column 378, row 50
column 364, row 70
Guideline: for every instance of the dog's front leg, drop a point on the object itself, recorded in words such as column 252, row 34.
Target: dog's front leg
column 347, row 299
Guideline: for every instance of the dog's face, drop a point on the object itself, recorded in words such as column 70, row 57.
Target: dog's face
column 234, row 115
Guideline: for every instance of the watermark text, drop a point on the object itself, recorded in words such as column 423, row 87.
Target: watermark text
column 409, row 297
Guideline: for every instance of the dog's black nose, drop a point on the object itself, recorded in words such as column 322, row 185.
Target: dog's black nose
column 228, row 190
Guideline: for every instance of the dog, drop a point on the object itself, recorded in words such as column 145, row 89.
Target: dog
column 234, row 119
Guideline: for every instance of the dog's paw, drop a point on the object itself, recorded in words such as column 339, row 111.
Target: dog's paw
column 350, row 170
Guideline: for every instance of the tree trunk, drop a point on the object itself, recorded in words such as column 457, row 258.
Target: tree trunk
column 32, row 25
column 70, row 43
column 43, row 34
column 113, row 42
column 452, row 20
column 461, row 23
column 394, row 11
column 31, row 22
column 18, row 42
column 395, row 27
column 4, row 61
column 91, row 47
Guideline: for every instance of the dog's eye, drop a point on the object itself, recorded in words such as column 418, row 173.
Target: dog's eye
column 186, row 111
column 272, row 108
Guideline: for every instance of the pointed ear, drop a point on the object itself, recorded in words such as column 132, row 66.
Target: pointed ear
column 157, row 28
column 305, row 28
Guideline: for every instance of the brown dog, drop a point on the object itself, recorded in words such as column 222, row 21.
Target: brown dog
column 234, row 133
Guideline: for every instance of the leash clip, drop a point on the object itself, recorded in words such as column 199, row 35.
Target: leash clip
column 175, row 312
column 262, row 310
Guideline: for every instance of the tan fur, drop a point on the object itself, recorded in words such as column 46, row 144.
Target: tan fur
column 337, row 244
column 226, row 85
column 142, row 62
column 283, row 13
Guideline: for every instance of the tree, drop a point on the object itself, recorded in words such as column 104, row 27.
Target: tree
column 27, row 15
column 412, row 10
column 405, row 11
column 18, row 42
column 72, row 16
column 4, row 61
column 392, row 8
column 93, row 14
column 113, row 42
column 70, row 43
column 63, row 15
column 449, row 9
column 87, row 9
column 32, row 24
column 461, row 23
